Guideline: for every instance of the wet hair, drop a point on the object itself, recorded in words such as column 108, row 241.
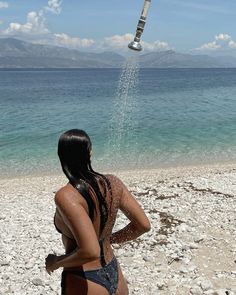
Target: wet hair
column 74, row 151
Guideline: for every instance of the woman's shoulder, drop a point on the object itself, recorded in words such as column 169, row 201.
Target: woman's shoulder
column 64, row 194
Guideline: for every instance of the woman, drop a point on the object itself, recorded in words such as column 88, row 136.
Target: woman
column 86, row 210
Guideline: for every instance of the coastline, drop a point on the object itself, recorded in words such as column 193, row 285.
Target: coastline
column 159, row 170
column 190, row 250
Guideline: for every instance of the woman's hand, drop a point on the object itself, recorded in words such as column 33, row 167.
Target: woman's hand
column 51, row 263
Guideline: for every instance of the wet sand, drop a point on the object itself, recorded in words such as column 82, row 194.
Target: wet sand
column 191, row 248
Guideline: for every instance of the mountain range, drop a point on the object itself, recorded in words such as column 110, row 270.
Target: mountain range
column 16, row 53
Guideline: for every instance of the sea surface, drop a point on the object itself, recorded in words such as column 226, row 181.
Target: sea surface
column 169, row 117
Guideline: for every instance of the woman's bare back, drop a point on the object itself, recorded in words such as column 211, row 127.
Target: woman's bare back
column 113, row 200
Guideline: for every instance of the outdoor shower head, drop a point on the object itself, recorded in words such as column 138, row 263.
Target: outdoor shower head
column 135, row 45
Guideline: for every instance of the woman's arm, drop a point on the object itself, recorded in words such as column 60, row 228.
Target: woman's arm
column 76, row 218
column 139, row 222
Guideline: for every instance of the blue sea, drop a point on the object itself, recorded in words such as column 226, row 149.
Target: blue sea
column 171, row 117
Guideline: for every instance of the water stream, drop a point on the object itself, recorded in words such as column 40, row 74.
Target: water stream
column 123, row 133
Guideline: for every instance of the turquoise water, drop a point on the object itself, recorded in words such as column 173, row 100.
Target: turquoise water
column 177, row 117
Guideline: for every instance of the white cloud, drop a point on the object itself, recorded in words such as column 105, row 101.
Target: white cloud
column 1, row 22
column 3, row 4
column 232, row 44
column 221, row 41
column 156, row 45
column 223, row 37
column 209, row 46
column 36, row 21
column 35, row 29
column 121, row 42
column 118, row 41
column 54, row 6
column 35, row 24
column 72, row 42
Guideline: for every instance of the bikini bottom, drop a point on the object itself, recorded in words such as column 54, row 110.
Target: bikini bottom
column 106, row 276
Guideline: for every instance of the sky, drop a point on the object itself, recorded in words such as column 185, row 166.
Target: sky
column 200, row 27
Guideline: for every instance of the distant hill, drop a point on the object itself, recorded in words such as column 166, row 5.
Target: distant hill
column 172, row 59
column 15, row 53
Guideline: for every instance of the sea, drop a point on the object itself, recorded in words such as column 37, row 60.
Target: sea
column 136, row 118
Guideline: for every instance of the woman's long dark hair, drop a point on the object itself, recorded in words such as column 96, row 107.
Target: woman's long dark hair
column 74, row 151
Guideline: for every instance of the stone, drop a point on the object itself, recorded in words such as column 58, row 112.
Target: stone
column 187, row 268
column 205, row 284
column 199, row 239
column 196, row 290
column 160, row 285
column 4, row 262
column 210, row 292
column 223, row 292
column 37, row 282
column 193, row 246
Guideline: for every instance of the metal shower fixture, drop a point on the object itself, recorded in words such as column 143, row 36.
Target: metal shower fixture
column 135, row 45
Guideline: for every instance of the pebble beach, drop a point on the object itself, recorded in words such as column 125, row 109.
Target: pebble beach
column 191, row 248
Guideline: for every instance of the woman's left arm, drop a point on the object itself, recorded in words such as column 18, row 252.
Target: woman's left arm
column 77, row 219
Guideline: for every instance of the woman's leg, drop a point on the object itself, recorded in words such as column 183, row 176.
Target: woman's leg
column 122, row 285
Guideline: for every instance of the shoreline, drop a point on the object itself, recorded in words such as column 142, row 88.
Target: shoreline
column 158, row 170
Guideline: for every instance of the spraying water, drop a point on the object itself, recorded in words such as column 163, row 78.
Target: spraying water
column 123, row 125
column 122, row 129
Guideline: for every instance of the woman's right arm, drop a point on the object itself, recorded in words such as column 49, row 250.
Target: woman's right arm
column 139, row 222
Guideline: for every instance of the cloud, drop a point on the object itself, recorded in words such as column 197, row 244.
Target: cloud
column 54, row 6
column 34, row 25
column 36, row 21
column 156, row 45
column 232, row 44
column 209, row 46
column 72, row 42
column 118, row 41
column 35, row 29
column 3, row 4
column 223, row 37
column 221, row 41
column 121, row 42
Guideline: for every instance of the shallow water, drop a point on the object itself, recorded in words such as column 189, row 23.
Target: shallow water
column 181, row 116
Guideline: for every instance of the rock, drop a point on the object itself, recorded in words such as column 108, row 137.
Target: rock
column 209, row 292
column 160, row 285
column 223, row 292
column 5, row 277
column 196, row 290
column 37, row 282
column 183, row 269
column 4, row 262
column 183, row 227
column 193, row 246
column 205, row 284
column 185, row 247
column 199, row 239
column 187, row 268
column 145, row 258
